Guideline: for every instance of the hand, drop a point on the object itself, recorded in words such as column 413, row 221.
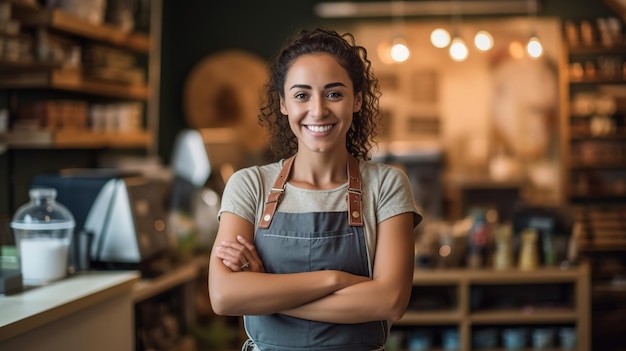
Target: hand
column 239, row 256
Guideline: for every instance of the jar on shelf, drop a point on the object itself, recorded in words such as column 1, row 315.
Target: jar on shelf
column 478, row 240
column 528, row 256
column 503, row 255
column 43, row 233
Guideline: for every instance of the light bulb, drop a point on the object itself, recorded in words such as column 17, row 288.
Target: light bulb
column 534, row 48
column 399, row 51
column 483, row 40
column 440, row 38
column 458, row 49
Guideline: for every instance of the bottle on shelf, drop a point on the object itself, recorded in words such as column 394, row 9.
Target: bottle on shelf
column 503, row 255
column 528, row 257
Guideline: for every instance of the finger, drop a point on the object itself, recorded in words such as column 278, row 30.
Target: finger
column 233, row 245
column 248, row 245
column 245, row 249
column 221, row 254
column 227, row 253
column 231, row 265
column 236, row 251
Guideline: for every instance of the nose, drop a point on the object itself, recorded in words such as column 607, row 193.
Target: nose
column 317, row 107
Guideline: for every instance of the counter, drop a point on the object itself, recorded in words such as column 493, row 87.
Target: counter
column 81, row 312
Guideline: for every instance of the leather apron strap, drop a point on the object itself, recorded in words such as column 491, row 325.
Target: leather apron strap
column 353, row 197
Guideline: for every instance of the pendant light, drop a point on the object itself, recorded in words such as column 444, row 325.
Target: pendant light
column 399, row 49
column 483, row 40
column 534, row 49
column 440, row 38
column 458, row 50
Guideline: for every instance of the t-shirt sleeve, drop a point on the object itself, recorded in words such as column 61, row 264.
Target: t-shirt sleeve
column 396, row 196
column 241, row 194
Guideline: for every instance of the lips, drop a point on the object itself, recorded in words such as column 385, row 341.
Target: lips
column 320, row 129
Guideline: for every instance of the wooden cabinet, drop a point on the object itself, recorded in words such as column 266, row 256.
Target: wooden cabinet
column 473, row 303
column 595, row 131
column 76, row 91
column 62, row 58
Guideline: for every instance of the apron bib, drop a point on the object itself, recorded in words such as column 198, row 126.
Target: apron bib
column 306, row 242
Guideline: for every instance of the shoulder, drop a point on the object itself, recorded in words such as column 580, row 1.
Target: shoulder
column 255, row 173
column 253, row 179
column 381, row 172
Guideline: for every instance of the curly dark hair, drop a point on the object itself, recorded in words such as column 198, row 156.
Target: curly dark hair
column 362, row 133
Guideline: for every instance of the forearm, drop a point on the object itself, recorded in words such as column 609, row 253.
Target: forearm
column 364, row 302
column 254, row 293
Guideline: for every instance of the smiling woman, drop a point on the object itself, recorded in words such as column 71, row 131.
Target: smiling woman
column 304, row 231
column 320, row 111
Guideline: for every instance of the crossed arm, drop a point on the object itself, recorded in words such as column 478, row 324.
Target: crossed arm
column 328, row 296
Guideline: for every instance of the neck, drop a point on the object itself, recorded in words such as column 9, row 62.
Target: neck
column 319, row 171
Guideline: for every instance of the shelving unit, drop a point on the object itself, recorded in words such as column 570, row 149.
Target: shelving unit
column 19, row 76
column 473, row 300
column 596, row 162
column 74, row 60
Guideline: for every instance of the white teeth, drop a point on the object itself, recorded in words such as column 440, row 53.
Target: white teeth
column 319, row 129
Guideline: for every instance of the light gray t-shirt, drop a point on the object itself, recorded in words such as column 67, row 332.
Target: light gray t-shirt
column 386, row 193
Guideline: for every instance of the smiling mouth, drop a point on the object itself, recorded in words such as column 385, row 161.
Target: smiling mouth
column 320, row 129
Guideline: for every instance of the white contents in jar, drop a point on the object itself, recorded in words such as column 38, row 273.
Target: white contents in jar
column 43, row 259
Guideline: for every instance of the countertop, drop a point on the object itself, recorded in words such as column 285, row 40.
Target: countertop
column 37, row 306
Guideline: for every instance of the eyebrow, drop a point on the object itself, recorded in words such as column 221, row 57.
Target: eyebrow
column 327, row 86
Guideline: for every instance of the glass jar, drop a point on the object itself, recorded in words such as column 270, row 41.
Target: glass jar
column 528, row 257
column 503, row 255
column 43, row 232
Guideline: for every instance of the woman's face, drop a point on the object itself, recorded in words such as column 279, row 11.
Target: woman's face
column 319, row 102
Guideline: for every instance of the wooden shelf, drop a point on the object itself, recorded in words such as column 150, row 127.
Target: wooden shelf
column 35, row 76
column 599, row 81
column 460, row 308
column 621, row 136
column 596, row 49
column 147, row 288
column 487, row 276
column 75, row 139
column 598, row 165
column 430, row 317
column 66, row 22
column 524, row 316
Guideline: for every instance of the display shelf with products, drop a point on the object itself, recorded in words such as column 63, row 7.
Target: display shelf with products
column 94, row 62
column 74, row 87
column 468, row 304
column 595, row 124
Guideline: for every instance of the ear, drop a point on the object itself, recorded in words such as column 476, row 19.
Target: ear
column 283, row 109
column 358, row 101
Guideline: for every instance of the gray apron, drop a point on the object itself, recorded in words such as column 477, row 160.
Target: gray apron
column 306, row 242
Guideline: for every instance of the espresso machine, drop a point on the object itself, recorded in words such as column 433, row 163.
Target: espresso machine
column 120, row 217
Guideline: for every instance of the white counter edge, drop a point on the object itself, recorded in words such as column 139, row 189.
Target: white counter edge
column 35, row 307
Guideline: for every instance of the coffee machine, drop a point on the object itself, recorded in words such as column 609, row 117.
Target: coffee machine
column 120, row 217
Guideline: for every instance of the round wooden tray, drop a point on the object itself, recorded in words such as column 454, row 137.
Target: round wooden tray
column 223, row 90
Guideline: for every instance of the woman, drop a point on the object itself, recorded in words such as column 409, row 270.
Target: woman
column 316, row 251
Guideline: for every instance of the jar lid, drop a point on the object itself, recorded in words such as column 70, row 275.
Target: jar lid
column 42, row 225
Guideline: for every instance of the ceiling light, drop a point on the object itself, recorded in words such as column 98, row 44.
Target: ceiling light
column 458, row 49
column 534, row 48
column 483, row 40
column 399, row 50
column 440, row 38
